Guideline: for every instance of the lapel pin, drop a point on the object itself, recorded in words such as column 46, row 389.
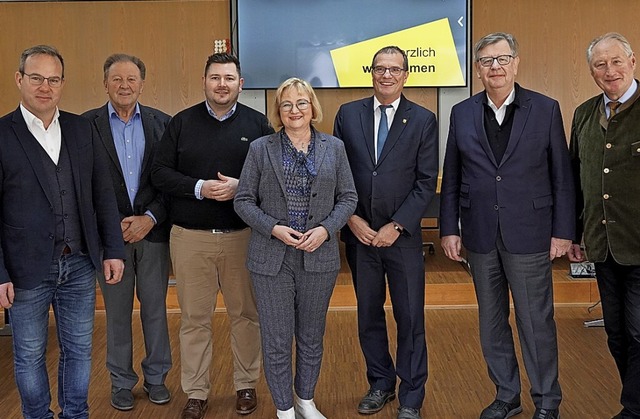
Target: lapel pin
column 404, row 121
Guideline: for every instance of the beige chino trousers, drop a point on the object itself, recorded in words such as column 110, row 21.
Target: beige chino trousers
column 205, row 263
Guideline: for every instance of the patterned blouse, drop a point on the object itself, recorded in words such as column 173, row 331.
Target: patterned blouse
column 299, row 174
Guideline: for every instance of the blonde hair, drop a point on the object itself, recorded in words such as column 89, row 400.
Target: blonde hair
column 302, row 87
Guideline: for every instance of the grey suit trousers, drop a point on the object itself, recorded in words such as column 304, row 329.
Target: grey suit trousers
column 146, row 275
column 292, row 303
column 528, row 276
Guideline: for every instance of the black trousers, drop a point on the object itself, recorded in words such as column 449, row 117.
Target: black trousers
column 619, row 287
column 403, row 270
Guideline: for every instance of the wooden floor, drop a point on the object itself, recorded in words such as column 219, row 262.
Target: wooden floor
column 458, row 386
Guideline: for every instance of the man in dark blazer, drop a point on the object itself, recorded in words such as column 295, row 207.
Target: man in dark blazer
column 128, row 132
column 395, row 178
column 59, row 224
column 507, row 181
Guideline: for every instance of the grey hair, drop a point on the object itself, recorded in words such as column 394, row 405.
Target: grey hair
column 626, row 46
column 493, row 38
column 124, row 58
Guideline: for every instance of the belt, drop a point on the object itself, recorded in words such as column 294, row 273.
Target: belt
column 223, row 230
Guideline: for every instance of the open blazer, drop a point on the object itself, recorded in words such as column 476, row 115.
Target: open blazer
column 261, row 201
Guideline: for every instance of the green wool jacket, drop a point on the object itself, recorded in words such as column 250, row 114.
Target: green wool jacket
column 606, row 162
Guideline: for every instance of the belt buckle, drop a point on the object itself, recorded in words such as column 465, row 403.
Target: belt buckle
column 219, row 231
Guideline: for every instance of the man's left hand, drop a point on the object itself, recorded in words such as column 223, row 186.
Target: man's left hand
column 223, row 189
column 136, row 227
column 559, row 247
column 387, row 235
column 112, row 270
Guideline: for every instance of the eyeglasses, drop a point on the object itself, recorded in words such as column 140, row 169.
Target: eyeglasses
column 501, row 59
column 380, row 70
column 37, row 80
column 288, row 106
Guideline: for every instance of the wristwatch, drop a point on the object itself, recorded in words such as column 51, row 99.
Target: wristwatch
column 397, row 228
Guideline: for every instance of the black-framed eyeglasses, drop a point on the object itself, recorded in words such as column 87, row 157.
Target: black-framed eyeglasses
column 301, row 105
column 394, row 71
column 37, row 80
column 501, row 59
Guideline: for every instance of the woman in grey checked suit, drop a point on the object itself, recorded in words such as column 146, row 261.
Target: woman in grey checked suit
column 295, row 192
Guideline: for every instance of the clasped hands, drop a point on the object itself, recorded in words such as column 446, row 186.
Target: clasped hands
column 385, row 237
column 223, row 189
column 308, row 241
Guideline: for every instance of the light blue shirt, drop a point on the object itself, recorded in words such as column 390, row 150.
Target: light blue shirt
column 128, row 137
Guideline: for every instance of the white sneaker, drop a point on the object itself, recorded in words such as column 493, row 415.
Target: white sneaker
column 306, row 409
column 286, row 414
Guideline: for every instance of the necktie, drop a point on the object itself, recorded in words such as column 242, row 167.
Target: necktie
column 383, row 129
column 612, row 109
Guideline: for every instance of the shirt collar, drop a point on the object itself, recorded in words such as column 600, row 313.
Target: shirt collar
column 626, row 96
column 221, row 117
column 510, row 99
column 30, row 119
column 394, row 104
column 112, row 111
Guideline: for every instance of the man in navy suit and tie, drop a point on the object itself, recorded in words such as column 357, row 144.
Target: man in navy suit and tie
column 507, row 189
column 59, row 223
column 392, row 147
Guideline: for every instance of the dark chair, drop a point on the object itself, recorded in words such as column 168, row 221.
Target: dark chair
column 431, row 222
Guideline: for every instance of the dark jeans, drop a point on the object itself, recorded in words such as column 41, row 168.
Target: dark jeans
column 619, row 288
column 70, row 287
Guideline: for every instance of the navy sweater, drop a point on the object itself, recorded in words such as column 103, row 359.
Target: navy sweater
column 197, row 146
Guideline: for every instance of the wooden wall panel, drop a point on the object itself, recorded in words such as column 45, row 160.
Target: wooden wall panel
column 553, row 37
column 173, row 38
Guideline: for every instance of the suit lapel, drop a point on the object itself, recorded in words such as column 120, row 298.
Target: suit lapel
column 478, row 119
column 367, row 121
column 320, row 150
column 104, row 131
column 31, row 148
column 400, row 119
column 274, row 152
column 520, row 116
column 149, row 127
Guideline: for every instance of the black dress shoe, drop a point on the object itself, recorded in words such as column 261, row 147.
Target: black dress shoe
column 405, row 412
column 546, row 414
column 374, row 401
column 501, row 410
column 121, row 398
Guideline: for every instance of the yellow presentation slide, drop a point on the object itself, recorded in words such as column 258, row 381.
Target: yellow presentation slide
column 433, row 59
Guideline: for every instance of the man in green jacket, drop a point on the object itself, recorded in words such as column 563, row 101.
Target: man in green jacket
column 605, row 146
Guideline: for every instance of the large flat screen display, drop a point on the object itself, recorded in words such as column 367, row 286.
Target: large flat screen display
column 330, row 43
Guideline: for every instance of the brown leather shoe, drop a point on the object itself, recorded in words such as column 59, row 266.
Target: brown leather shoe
column 194, row 409
column 246, row 401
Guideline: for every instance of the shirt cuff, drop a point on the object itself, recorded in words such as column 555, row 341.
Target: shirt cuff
column 150, row 214
column 198, row 189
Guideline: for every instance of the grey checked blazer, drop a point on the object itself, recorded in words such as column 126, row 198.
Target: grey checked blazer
column 261, row 202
